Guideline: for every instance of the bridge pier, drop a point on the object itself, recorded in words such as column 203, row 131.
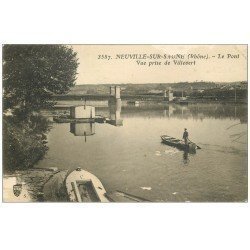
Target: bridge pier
column 115, row 105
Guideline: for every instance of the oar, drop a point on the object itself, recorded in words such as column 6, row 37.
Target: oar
column 196, row 144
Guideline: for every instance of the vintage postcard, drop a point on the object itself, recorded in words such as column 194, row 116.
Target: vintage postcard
column 125, row 123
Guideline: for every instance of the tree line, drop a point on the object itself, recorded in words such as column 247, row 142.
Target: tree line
column 32, row 74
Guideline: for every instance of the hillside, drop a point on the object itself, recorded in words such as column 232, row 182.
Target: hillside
column 151, row 88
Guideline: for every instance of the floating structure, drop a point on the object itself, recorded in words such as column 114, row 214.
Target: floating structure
column 183, row 100
column 70, row 120
column 98, row 119
column 83, row 186
column 82, row 112
column 171, row 141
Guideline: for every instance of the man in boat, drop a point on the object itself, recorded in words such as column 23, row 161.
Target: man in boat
column 185, row 136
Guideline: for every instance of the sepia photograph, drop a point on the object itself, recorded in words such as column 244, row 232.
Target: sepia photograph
column 124, row 123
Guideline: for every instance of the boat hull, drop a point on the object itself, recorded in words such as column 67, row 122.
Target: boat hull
column 173, row 142
column 83, row 186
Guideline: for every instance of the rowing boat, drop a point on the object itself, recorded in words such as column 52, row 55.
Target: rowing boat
column 83, row 186
column 171, row 141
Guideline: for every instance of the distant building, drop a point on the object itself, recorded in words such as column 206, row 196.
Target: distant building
column 155, row 91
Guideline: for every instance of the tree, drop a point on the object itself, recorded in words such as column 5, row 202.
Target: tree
column 24, row 141
column 32, row 74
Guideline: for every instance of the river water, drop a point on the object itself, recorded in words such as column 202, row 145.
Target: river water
column 130, row 156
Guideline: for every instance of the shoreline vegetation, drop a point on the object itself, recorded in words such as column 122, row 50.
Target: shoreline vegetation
column 32, row 74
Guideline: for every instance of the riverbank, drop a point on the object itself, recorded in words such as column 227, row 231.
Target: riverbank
column 26, row 185
column 50, row 185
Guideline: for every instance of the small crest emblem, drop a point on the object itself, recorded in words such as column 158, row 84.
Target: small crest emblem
column 17, row 189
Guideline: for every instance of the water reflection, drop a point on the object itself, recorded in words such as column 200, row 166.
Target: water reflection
column 197, row 111
column 185, row 158
column 115, row 114
column 168, row 111
column 82, row 129
column 128, row 159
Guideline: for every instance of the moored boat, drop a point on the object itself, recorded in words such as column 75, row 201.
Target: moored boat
column 180, row 144
column 120, row 196
column 135, row 103
column 183, row 102
column 83, row 186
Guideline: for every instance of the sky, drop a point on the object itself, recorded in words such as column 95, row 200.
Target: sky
column 102, row 71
